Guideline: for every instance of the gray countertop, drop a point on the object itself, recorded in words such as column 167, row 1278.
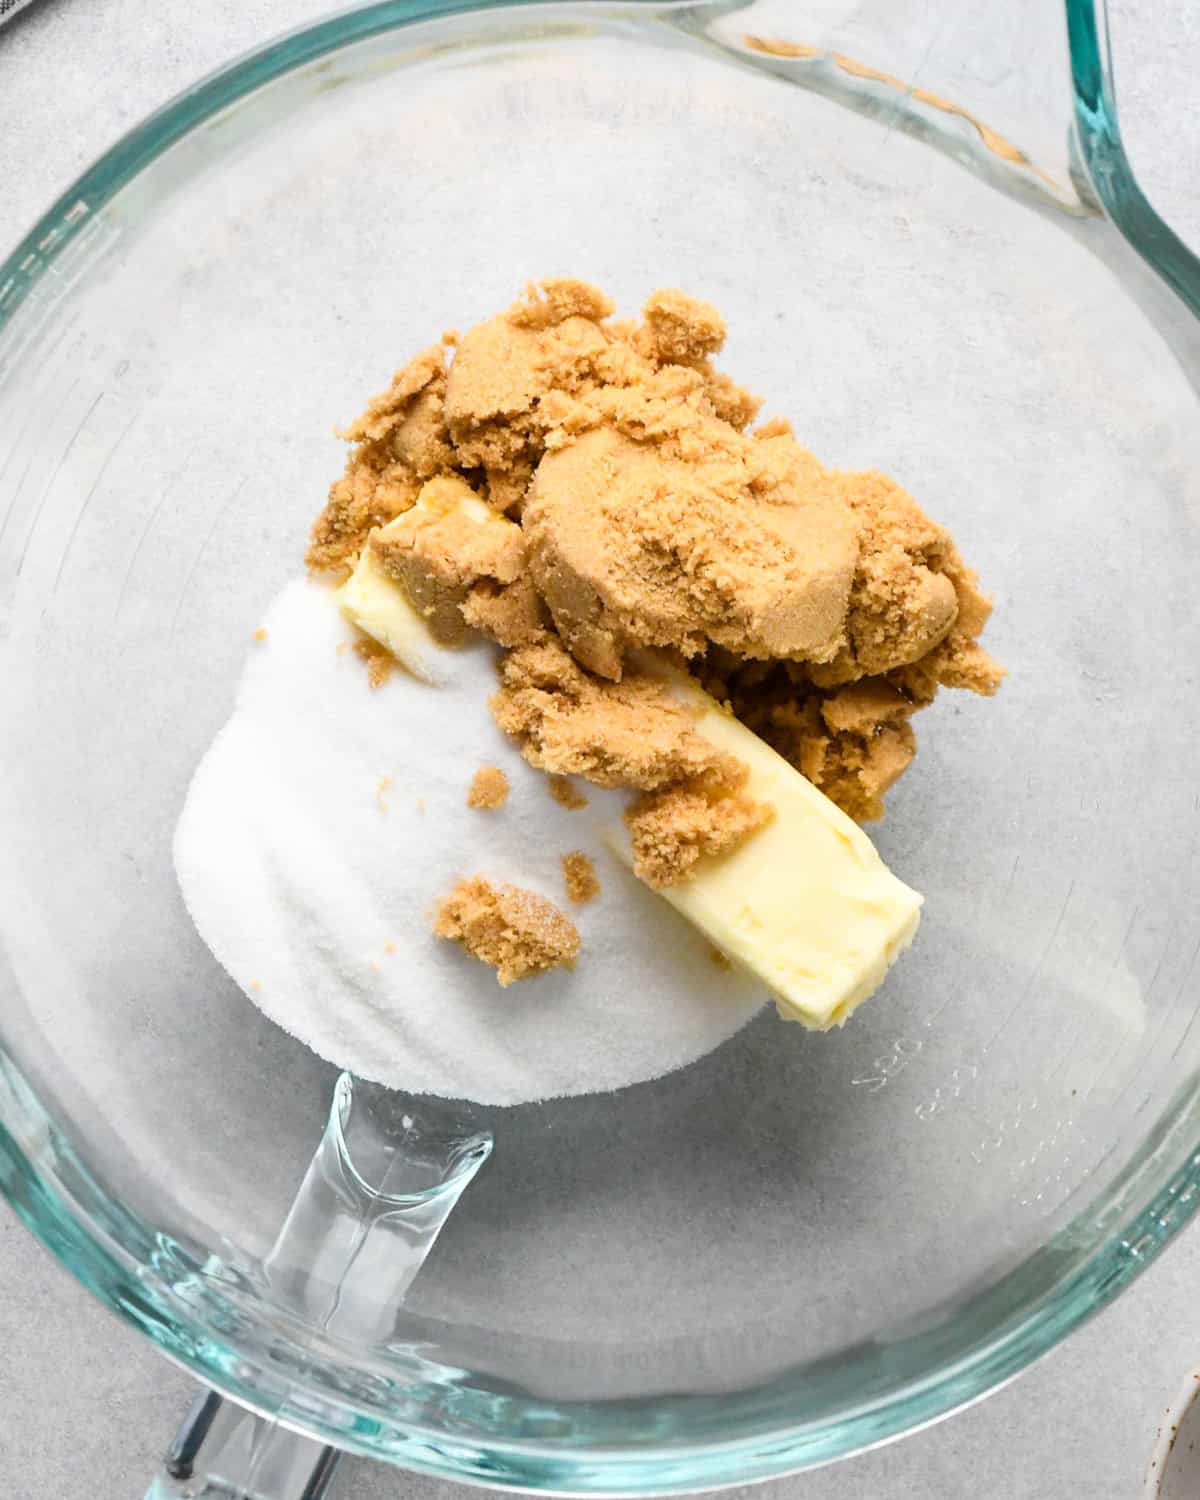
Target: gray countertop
column 86, row 1406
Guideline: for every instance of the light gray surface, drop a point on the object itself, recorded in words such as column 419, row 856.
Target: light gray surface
column 85, row 1406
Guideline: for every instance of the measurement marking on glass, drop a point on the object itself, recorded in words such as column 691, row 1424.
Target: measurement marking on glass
column 888, row 1066
column 12, row 509
column 66, row 453
column 1023, row 998
column 1151, row 1044
column 87, row 499
column 46, row 369
column 1117, row 1049
column 212, row 531
column 946, row 1093
column 1071, row 1047
column 1169, row 1012
column 168, row 491
column 932, row 1018
column 1192, row 1021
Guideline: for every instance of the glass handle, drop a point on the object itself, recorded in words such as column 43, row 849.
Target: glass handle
column 382, row 1183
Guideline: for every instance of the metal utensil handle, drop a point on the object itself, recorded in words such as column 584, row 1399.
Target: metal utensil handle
column 223, row 1452
column 9, row 8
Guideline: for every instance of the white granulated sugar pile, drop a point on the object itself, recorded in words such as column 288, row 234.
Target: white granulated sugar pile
column 326, row 822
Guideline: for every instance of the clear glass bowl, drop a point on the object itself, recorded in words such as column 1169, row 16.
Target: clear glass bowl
column 933, row 257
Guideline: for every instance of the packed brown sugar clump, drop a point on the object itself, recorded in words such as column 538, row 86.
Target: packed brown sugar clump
column 516, row 931
column 489, row 789
column 580, row 878
column 672, row 828
column 637, row 508
column 630, row 733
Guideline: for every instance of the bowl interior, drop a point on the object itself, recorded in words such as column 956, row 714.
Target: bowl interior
column 165, row 438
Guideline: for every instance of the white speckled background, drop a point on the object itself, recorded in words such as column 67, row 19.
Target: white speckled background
column 86, row 1407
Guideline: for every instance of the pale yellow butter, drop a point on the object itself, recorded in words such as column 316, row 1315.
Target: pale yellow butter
column 374, row 602
column 805, row 904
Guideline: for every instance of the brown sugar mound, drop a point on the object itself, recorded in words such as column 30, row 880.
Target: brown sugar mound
column 504, row 369
column 707, row 815
column 911, row 592
column 912, row 627
column 580, row 878
column 579, row 488
column 699, row 536
column 516, row 931
column 488, row 791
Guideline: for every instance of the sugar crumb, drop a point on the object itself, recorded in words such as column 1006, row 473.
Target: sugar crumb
column 261, row 633
column 379, row 660
column 385, row 785
column 774, row 47
column 488, row 790
column 705, row 816
column 580, row 878
column 568, row 721
column 389, row 947
column 566, row 793
column 516, row 931
column 256, row 986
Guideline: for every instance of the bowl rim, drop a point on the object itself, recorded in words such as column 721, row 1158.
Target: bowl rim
column 156, row 1285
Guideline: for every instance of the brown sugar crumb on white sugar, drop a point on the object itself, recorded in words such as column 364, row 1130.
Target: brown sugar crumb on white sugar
column 580, row 878
column 379, row 660
column 566, row 793
column 516, row 931
column 488, row 790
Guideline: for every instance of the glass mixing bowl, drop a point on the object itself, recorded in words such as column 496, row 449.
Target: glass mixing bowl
column 933, row 257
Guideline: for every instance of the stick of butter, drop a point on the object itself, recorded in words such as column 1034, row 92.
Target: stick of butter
column 371, row 600
column 378, row 604
column 805, row 904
